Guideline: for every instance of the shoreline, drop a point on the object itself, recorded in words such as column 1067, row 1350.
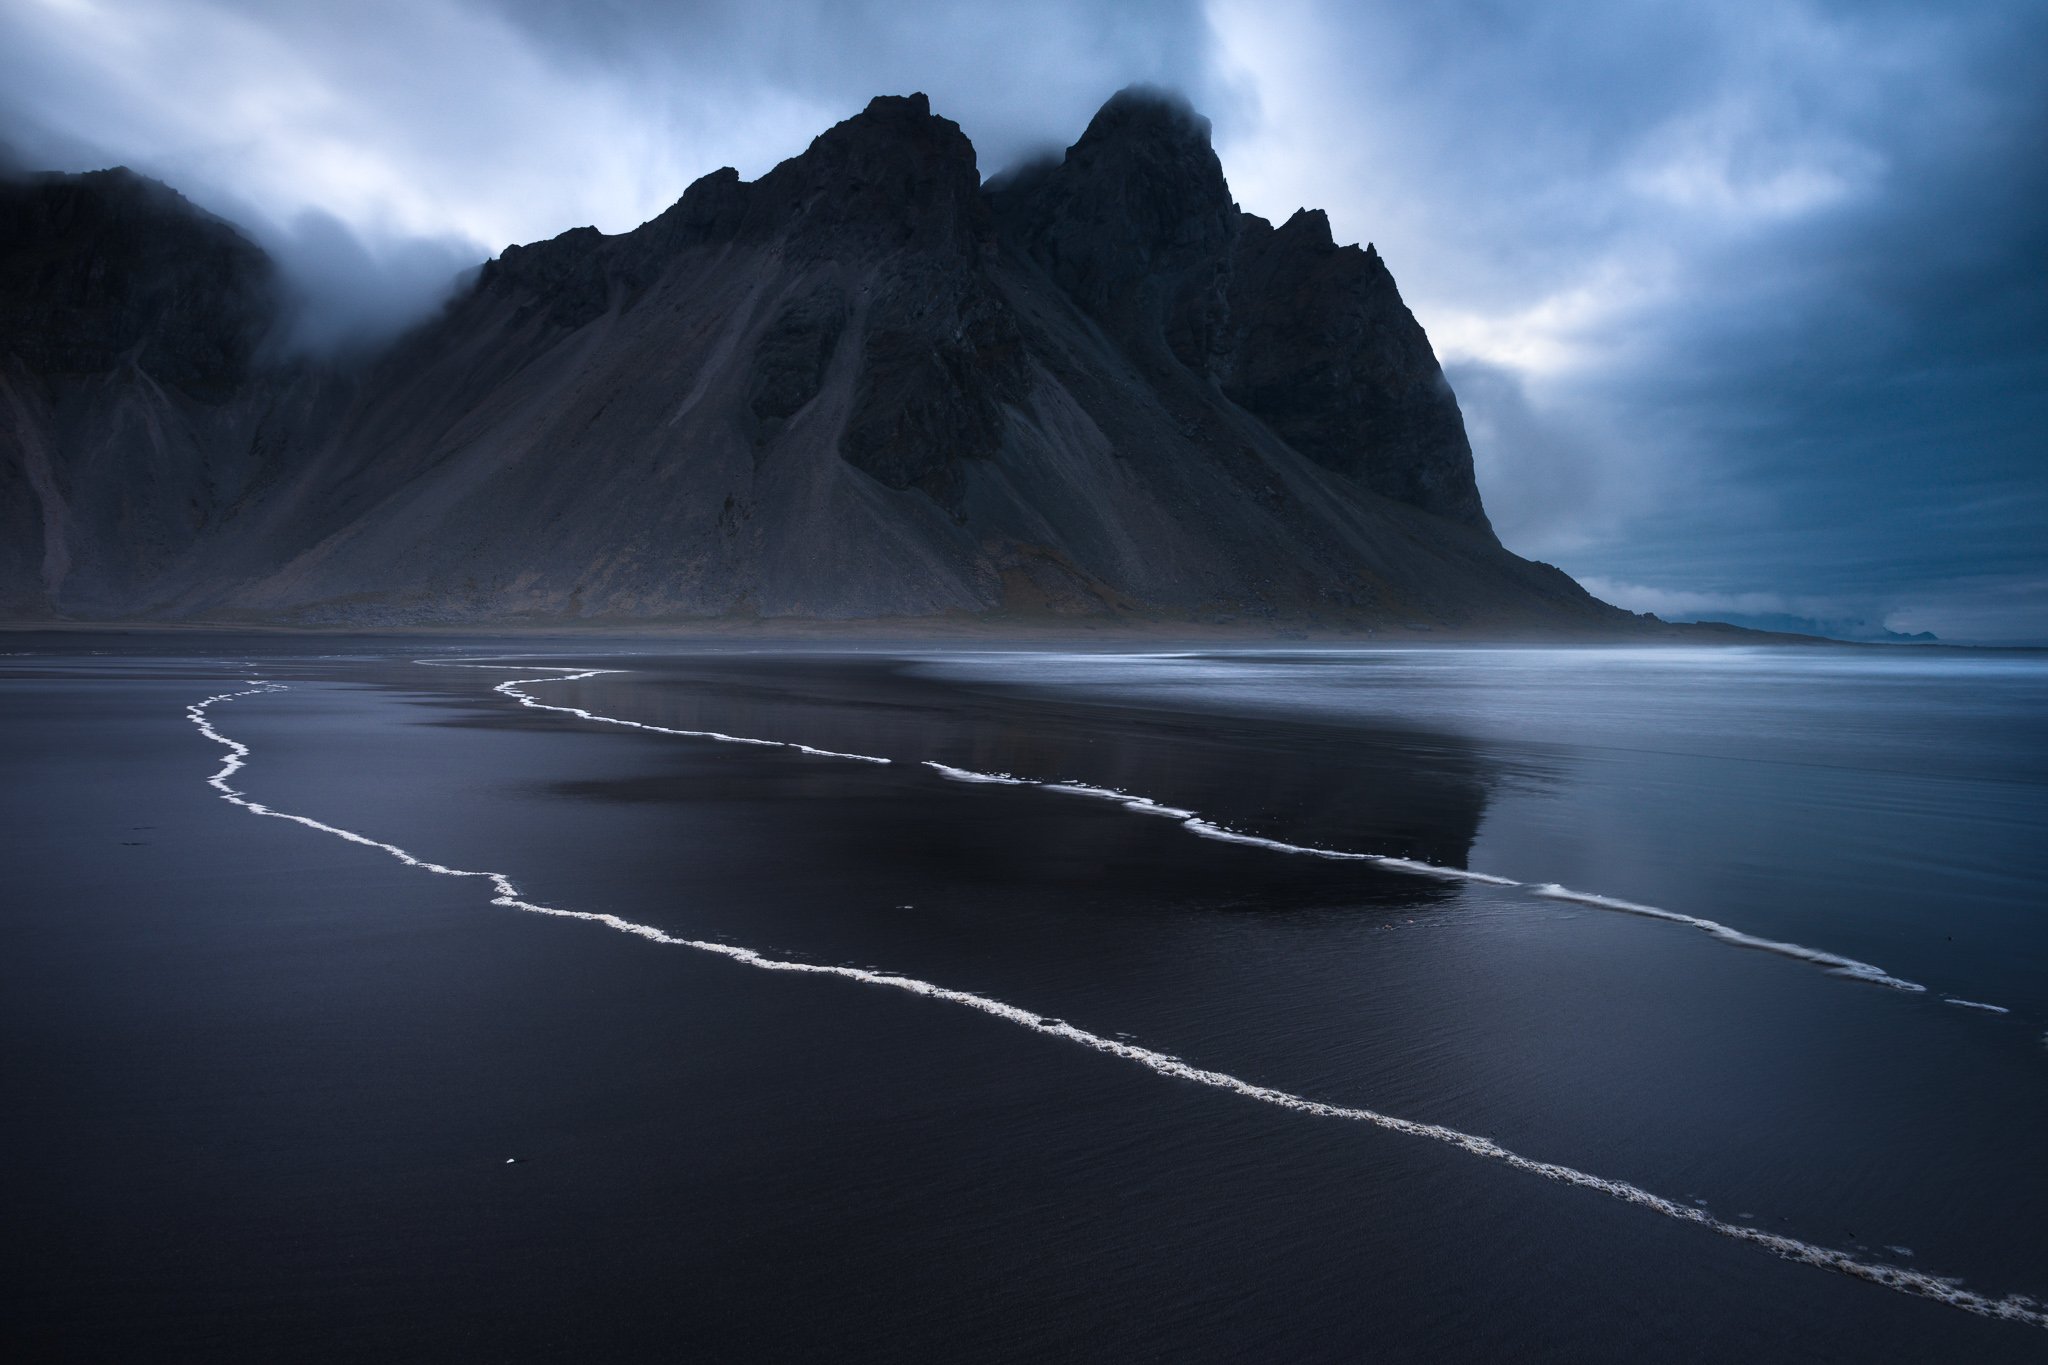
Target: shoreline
column 918, row 630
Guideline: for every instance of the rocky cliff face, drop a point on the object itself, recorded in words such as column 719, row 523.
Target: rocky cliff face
column 131, row 325
column 1137, row 226
column 106, row 267
column 1317, row 344
column 861, row 386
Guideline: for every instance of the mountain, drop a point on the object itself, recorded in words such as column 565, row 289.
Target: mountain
column 865, row 385
column 1853, row 630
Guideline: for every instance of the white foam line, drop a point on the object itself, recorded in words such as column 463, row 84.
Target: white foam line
column 1452, row 874
column 1834, row 962
column 2010, row 1308
column 1143, row 805
column 1974, row 1005
column 510, row 688
column 1207, row 829
column 963, row 775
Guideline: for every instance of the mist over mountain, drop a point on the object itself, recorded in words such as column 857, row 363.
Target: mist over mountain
column 865, row 385
column 1853, row 630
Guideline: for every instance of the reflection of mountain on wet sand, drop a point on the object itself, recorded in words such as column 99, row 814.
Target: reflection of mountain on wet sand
column 1399, row 790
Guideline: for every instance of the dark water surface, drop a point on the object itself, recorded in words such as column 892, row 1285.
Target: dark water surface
column 263, row 1082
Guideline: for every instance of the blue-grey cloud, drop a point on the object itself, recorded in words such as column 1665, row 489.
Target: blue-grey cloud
column 1785, row 258
column 1555, row 482
column 344, row 291
column 1745, row 301
column 390, row 136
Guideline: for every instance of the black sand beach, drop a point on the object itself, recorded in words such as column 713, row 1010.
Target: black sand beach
column 274, row 1094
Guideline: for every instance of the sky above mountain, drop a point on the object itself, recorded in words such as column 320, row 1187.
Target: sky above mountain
column 1747, row 304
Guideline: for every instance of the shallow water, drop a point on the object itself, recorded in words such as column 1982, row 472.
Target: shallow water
column 302, row 1062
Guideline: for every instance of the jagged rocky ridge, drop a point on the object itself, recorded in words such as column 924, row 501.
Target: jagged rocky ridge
column 863, row 386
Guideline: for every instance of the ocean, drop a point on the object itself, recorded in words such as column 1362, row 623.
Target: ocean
column 531, row 999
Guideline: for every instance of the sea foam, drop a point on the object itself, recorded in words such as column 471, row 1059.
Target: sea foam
column 1834, row 962
column 512, row 688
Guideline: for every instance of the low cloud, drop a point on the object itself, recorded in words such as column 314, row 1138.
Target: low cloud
column 1992, row 610
column 1553, row 481
column 1740, row 298
column 347, row 292
column 1683, row 604
column 1788, row 254
column 379, row 148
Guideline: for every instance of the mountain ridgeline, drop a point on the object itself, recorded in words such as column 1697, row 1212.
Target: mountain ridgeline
column 863, row 386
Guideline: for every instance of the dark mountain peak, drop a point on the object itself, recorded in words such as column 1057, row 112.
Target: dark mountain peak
column 894, row 167
column 891, row 129
column 1136, row 224
column 713, row 209
column 120, row 176
column 575, row 240
column 1151, row 114
column 861, row 385
column 1149, row 150
column 118, row 192
column 895, row 176
column 910, row 112
column 1321, row 348
column 109, row 266
column 112, row 180
column 892, row 179
column 1133, row 222
column 1307, row 229
column 1307, row 234
column 712, row 199
column 567, row 272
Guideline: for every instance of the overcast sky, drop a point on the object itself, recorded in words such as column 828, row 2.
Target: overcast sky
column 1746, row 302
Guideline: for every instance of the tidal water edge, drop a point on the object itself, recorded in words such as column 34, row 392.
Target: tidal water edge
column 1757, row 933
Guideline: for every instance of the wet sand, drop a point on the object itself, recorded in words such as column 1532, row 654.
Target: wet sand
column 267, row 1082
